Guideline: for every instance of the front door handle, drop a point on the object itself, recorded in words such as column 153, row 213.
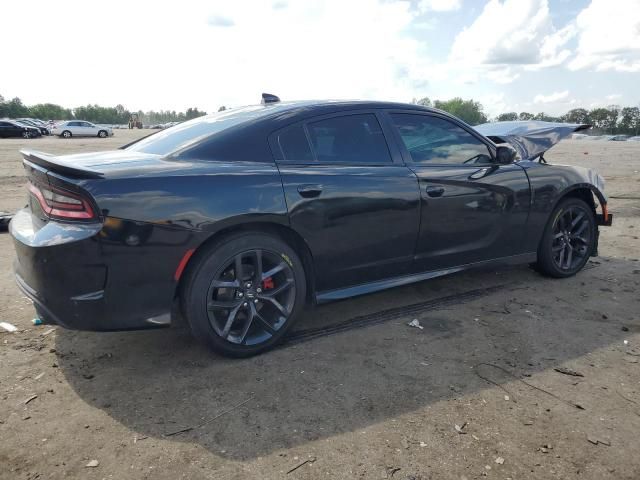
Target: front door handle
column 434, row 191
column 310, row 191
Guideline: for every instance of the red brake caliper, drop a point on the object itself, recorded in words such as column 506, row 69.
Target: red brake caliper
column 267, row 283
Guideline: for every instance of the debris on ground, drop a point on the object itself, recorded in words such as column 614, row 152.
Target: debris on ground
column 499, row 460
column 92, row 464
column 51, row 330
column 39, row 376
column 31, row 398
column 8, row 327
column 568, row 371
column 460, row 429
column 309, row 460
column 37, row 321
column 415, row 324
column 596, row 441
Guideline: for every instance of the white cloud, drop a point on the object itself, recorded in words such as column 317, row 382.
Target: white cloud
column 608, row 36
column 502, row 76
column 551, row 98
column 208, row 54
column 517, row 32
column 613, row 96
column 439, row 5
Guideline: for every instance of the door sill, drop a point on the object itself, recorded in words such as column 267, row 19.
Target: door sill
column 364, row 288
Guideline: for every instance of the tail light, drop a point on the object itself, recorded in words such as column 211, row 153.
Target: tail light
column 62, row 204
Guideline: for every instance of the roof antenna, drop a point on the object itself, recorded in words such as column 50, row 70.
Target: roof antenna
column 269, row 98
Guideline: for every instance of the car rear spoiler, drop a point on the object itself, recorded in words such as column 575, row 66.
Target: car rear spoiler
column 56, row 164
column 530, row 138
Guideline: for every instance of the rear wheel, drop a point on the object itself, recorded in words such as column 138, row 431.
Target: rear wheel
column 568, row 240
column 66, row 134
column 244, row 293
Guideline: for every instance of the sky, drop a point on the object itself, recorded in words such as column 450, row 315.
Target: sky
column 511, row 55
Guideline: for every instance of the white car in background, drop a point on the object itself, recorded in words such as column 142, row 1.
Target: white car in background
column 80, row 128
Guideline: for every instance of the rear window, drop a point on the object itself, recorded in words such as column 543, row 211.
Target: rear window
column 189, row 133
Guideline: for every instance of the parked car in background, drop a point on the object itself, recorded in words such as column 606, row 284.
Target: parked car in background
column 81, row 128
column 634, row 139
column 619, row 138
column 245, row 216
column 32, row 123
column 11, row 128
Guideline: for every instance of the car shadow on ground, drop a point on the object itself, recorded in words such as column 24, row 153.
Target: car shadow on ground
column 339, row 380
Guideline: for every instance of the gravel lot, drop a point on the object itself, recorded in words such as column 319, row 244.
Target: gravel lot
column 355, row 393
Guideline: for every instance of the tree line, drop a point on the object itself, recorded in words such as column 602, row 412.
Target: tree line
column 612, row 119
column 14, row 108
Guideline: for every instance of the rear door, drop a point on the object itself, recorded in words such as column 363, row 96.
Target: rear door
column 350, row 197
column 473, row 209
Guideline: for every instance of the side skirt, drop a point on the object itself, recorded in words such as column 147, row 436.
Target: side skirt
column 362, row 289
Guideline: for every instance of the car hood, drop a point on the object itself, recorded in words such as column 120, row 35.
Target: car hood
column 530, row 138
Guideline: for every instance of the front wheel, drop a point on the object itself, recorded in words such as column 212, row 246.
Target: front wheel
column 102, row 134
column 26, row 135
column 569, row 239
column 242, row 294
column 66, row 134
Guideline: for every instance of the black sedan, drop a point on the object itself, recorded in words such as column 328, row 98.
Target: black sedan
column 33, row 123
column 242, row 218
column 11, row 128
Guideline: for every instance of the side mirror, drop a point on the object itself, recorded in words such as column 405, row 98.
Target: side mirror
column 505, row 155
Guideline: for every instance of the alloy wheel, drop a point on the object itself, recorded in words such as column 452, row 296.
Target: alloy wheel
column 251, row 297
column 572, row 235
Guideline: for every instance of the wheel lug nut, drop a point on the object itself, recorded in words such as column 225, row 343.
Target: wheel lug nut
column 258, row 290
column 255, row 301
column 245, row 304
column 240, row 294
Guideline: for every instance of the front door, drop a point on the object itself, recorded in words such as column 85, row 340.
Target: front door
column 350, row 197
column 473, row 209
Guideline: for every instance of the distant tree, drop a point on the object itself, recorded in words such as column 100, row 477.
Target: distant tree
column 14, row 108
column 222, row 108
column 193, row 113
column 469, row 111
column 613, row 112
column 599, row 118
column 546, row 118
column 507, row 117
column 630, row 120
column 49, row 111
column 526, row 116
column 577, row 115
column 425, row 102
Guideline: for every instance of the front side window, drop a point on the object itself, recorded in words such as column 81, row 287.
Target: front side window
column 435, row 140
column 349, row 139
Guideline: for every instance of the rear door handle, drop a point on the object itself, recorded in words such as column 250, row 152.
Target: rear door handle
column 433, row 191
column 310, row 191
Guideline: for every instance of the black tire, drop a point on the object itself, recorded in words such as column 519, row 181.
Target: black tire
column 67, row 134
column 565, row 249
column 102, row 134
column 257, row 324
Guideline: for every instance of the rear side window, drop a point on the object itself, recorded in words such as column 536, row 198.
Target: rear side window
column 294, row 144
column 349, row 139
column 436, row 140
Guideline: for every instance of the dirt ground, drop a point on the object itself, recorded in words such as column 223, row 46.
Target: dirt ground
column 356, row 392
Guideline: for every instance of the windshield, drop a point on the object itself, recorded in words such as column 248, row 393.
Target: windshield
column 189, row 133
